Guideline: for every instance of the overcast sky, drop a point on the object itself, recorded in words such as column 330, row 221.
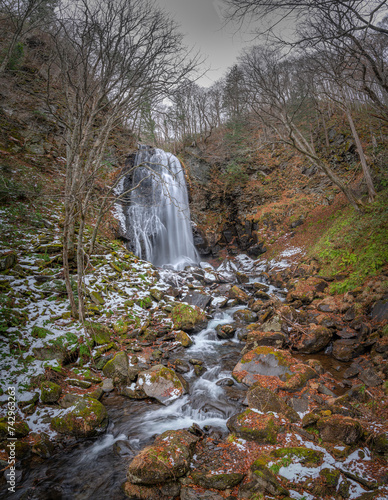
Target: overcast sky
column 204, row 28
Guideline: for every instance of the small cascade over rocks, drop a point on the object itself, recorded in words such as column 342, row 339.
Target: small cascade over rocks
column 157, row 217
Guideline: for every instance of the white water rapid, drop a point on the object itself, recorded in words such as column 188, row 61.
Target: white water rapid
column 158, row 218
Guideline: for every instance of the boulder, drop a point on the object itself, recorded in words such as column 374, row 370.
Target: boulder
column 273, row 368
column 275, row 324
column 193, row 494
column 306, row 290
column 253, row 426
column 20, row 429
column 201, row 300
column 217, row 481
column 86, row 418
column 188, row 318
column 117, row 368
column 261, row 481
column 245, row 315
column 166, row 460
column 168, row 491
column 7, row 260
column 183, row 338
column 380, row 310
column 339, row 428
column 315, row 340
column 161, row 383
column 50, row 392
column 263, row 399
column 258, row 338
column 225, row 331
column 98, row 332
column 347, row 349
column 235, row 293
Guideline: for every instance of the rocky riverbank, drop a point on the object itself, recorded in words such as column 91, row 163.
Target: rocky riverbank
column 308, row 390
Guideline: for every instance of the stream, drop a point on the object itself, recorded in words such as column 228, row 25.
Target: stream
column 96, row 469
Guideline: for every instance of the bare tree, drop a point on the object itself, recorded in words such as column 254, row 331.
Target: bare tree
column 277, row 98
column 20, row 17
column 108, row 58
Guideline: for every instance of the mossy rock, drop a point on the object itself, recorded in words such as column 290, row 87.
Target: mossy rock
column 120, row 327
column 235, row 293
column 97, row 298
column 161, row 383
column 330, row 477
column 167, row 459
column 261, row 482
column 117, row 368
column 98, row 332
column 7, row 260
column 217, row 481
column 379, row 443
column 50, row 248
column 51, row 352
column 86, row 418
column 253, row 426
column 306, row 456
column 41, row 444
column 50, row 392
column 245, row 316
column 338, row 428
column 265, row 400
column 183, row 338
column 157, row 294
column 145, row 302
column 188, row 318
column 19, row 429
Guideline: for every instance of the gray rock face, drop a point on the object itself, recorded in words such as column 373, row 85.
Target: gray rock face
column 380, row 310
column 315, row 340
column 117, row 368
column 197, row 299
column 161, row 383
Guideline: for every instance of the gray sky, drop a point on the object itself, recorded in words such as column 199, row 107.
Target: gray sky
column 203, row 26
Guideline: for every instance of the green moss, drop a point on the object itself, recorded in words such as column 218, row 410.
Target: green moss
column 40, row 333
column 331, row 477
column 304, row 455
column 50, row 392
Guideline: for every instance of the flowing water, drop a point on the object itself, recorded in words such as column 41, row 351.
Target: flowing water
column 157, row 219
column 96, row 468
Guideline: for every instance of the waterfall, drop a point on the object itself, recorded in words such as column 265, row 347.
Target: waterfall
column 158, row 217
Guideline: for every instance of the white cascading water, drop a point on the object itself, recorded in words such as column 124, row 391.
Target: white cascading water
column 159, row 215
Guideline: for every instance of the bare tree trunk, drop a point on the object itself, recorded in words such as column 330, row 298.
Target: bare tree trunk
column 365, row 167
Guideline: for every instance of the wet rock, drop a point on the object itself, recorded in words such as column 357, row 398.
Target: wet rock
column 339, row 428
column 181, row 366
column 316, row 365
column 264, row 400
column 235, row 293
column 198, row 299
column 194, row 361
column 225, row 331
column 242, row 277
column 117, row 368
column 225, row 382
column 315, row 340
column 86, row 418
column 261, row 295
column 188, row 318
column 50, row 392
column 199, row 370
column 275, row 324
column 273, row 368
column 133, row 392
column 41, row 444
column 210, row 479
column 347, row 349
column 183, row 338
column 261, row 480
column 254, row 426
column 245, row 316
column 161, row 383
column 166, row 460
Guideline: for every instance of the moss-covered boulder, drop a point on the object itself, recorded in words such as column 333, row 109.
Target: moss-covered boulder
column 263, row 399
column 337, row 428
column 225, row 331
column 253, row 426
column 50, row 352
column 86, row 418
column 183, row 338
column 157, row 294
column 235, row 293
column 117, row 368
column 19, row 429
column 379, row 443
column 161, row 383
column 166, row 460
column 261, row 481
column 218, row 481
column 188, row 318
column 306, row 290
column 305, row 456
column 245, row 316
column 98, row 332
column 315, row 340
column 272, row 368
column 120, row 327
column 50, row 392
